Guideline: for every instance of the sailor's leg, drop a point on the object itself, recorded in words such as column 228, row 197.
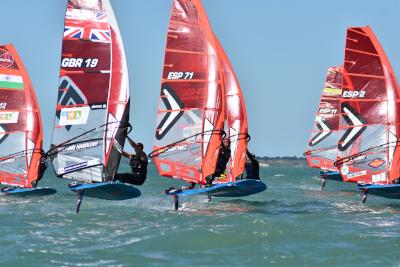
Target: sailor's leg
column 364, row 194
column 208, row 198
column 209, row 180
column 176, row 202
column 79, row 194
column 323, row 180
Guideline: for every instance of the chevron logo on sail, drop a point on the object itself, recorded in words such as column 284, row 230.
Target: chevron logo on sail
column 325, row 131
column 357, row 127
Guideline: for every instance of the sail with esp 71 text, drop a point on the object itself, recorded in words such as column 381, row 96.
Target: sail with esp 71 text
column 368, row 149
column 92, row 111
column 21, row 134
column 322, row 147
column 190, row 118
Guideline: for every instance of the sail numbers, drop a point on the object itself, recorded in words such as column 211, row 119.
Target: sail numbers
column 79, row 62
column 180, row 75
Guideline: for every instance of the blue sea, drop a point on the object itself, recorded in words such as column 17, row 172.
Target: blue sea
column 292, row 223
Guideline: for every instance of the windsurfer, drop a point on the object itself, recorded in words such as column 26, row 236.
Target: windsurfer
column 138, row 163
column 42, row 167
column 223, row 158
column 252, row 166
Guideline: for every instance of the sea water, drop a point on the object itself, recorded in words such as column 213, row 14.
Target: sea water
column 292, row 223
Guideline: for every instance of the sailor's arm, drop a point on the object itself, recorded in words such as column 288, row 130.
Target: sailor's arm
column 131, row 142
column 251, row 157
column 126, row 154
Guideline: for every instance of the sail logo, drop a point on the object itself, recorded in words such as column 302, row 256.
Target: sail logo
column 356, row 127
column 356, row 174
column 74, row 116
column 176, row 148
column 174, row 105
column 79, row 62
column 332, row 91
column 355, row 160
column 353, row 94
column 376, row 163
column 380, row 177
column 98, row 106
column 179, row 75
column 6, row 59
column 78, row 166
column 8, row 117
column 80, row 146
column 3, row 105
column 327, row 111
column 324, row 131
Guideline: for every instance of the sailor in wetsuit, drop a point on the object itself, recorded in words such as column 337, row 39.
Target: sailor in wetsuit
column 223, row 158
column 252, row 166
column 42, row 168
column 138, row 163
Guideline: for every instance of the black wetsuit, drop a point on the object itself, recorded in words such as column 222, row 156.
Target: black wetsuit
column 41, row 170
column 252, row 167
column 223, row 158
column 138, row 165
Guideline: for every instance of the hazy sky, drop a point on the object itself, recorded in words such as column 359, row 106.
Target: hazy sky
column 280, row 51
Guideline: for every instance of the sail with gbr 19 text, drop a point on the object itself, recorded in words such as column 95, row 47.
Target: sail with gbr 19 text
column 92, row 112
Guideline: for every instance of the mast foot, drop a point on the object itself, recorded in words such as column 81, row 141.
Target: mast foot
column 79, row 194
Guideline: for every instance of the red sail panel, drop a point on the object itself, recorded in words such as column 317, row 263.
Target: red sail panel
column 322, row 147
column 236, row 117
column 191, row 108
column 93, row 97
column 21, row 136
column 367, row 150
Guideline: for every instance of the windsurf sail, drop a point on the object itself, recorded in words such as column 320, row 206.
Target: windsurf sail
column 322, row 147
column 236, row 117
column 92, row 111
column 21, row 136
column 191, row 111
column 368, row 149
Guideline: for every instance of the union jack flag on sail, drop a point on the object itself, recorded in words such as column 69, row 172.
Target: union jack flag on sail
column 73, row 32
column 78, row 25
column 100, row 35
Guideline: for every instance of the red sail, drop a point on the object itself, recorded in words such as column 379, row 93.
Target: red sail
column 20, row 123
column 191, row 107
column 236, row 117
column 368, row 150
column 93, row 96
column 322, row 146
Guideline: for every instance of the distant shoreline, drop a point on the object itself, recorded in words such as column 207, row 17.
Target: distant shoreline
column 294, row 161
